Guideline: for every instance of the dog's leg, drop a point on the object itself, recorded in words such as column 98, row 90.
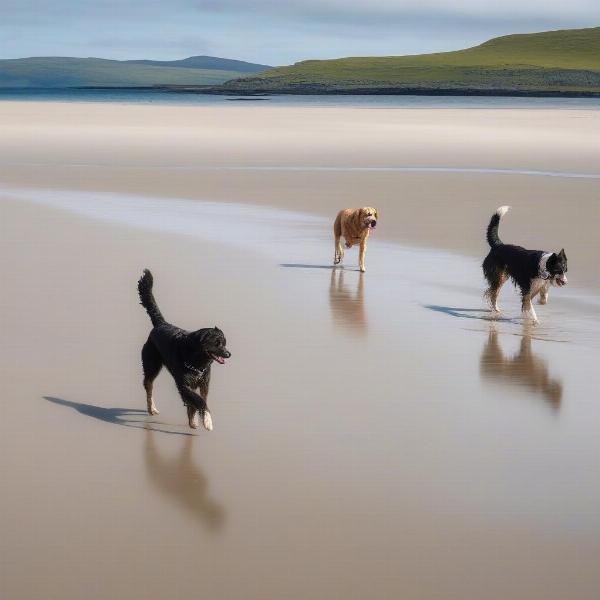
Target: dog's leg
column 361, row 256
column 151, row 407
column 339, row 251
column 544, row 293
column 496, row 278
column 538, row 286
column 193, row 419
column 194, row 401
column 337, row 234
column 492, row 295
column 527, row 308
column 495, row 291
column 152, row 364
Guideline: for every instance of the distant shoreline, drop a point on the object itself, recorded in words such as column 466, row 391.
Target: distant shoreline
column 314, row 91
column 193, row 96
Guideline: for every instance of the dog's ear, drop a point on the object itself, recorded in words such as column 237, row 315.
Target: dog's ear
column 358, row 217
column 562, row 254
column 377, row 214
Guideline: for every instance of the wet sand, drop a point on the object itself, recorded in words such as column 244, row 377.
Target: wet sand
column 443, row 169
column 375, row 435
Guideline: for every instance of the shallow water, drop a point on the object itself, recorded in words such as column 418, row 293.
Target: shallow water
column 376, row 434
column 132, row 96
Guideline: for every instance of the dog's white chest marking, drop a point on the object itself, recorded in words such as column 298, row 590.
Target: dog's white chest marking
column 543, row 273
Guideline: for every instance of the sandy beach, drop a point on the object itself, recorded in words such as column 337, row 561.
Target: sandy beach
column 376, row 435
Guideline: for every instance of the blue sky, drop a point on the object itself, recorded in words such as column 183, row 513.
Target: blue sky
column 272, row 31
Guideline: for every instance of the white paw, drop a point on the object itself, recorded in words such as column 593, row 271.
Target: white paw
column 152, row 410
column 194, row 421
column 207, row 421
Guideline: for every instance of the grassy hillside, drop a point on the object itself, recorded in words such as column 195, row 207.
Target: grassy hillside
column 567, row 60
column 57, row 72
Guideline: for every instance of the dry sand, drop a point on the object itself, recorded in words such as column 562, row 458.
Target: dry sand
column 375, row 436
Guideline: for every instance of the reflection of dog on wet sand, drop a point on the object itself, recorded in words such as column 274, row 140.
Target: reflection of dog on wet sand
column 346, row 307
column 522, row 368
column 354, row 224
column 181, row 478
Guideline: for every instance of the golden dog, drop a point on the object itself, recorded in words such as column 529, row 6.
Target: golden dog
column 354, row 224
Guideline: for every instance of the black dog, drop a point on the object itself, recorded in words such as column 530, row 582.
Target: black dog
column 187, row 355
column 532, row 270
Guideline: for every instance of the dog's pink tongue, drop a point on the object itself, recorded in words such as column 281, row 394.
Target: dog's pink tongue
column 220, row 360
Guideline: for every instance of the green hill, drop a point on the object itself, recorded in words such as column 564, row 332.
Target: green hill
column 60, row 72
column 566, row 61
column 206, row 62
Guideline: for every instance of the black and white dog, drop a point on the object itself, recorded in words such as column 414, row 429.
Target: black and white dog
column 188, row 356
column 534, row 271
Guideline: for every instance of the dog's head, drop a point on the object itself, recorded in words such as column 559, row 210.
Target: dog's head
column 557, row 267
column 212, row 343
column 368, row 217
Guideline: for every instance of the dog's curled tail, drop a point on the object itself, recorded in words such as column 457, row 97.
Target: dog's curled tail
column 147, row 298
column 492, row 230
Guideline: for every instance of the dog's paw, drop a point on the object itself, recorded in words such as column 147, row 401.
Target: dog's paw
column 543, row 301
column 363, row 270
column 194, row 421
column 152, row 410
column 207, row 421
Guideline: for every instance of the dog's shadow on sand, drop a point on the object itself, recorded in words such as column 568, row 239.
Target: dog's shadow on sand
column 125, row 417
column 481, row 314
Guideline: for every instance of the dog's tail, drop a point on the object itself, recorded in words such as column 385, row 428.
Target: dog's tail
column 492, row 230
column 147, row 298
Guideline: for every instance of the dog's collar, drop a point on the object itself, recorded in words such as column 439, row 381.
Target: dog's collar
column 544, row 274
column 196, row 370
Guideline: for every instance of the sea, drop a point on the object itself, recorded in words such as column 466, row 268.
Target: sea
column 169, row 97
